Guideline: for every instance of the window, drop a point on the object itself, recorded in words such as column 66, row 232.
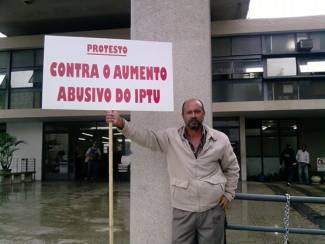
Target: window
column 222, row 67
column 4, row 60
column 282, row 90
column 311, row 66
column 277, row 67
column 312, row 89
column 278, row 44
column 22, row 58
column 237, row 90
column 253, row 139
column 26, row 79
column 4, row 65
column 246, row 45
column 237, row 80
column 221, row 46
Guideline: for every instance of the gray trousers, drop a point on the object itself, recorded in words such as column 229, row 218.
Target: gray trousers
column 198, row 227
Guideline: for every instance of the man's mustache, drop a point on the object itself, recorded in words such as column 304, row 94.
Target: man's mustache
column 194, row 120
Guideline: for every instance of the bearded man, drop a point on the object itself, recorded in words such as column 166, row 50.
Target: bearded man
column 203, row 172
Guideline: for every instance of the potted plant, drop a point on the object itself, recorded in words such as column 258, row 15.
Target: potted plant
column 8, row 145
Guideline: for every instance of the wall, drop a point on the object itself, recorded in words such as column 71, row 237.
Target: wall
column 252, row 26
column 32, row 134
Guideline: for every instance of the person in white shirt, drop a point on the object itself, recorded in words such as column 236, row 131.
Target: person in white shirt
column 302, row 158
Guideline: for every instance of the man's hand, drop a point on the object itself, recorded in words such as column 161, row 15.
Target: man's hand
column 115, row 119
column 224, row 203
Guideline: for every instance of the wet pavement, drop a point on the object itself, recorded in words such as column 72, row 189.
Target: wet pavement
column 62, row 212
column 69, row 212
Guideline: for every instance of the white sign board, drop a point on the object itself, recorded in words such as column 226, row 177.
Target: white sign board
column 107, row 74
column 321, row 164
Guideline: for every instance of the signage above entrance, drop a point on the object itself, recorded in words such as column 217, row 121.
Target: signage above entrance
column 107, row 74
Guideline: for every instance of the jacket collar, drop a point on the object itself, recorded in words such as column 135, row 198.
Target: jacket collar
column 211, row 133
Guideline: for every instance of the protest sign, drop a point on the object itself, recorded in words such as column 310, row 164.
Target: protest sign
column 107, row 74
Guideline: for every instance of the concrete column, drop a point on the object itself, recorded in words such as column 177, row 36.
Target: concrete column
column 185, row 23
column 243, row 168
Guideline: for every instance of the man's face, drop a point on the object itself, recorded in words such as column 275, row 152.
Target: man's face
column 193, row 115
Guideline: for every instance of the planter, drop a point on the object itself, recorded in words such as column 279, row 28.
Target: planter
column 315, row 179
column 5, row 178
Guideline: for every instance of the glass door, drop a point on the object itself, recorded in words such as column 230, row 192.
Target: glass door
column 56, row 164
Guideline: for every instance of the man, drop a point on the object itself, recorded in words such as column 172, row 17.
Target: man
column 92, row 157
column 289, row 159
column 302, row 158
column 203, row 172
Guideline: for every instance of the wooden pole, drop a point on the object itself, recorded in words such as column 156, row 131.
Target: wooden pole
column 110, row 183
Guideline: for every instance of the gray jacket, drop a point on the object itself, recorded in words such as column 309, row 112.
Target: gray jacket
column 196, row 184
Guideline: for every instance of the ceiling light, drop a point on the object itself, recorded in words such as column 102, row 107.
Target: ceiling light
column 81, row 139
column 254, row 70
column 101, row 128
column 86, row 134
column 2, row 35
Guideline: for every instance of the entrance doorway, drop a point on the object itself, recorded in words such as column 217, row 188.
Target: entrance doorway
column 230, row 126
column 56, row 164
column 65, row 146
column 265, row 140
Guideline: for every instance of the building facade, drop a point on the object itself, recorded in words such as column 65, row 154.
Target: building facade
column 257, row 85
column 266, row 92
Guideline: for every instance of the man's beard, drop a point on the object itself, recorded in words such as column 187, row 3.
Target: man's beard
column 194, row 124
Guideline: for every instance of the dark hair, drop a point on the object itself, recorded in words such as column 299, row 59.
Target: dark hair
column 193, row 99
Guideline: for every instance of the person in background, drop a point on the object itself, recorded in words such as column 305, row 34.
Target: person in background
column 302, row 158
column 203, row 172
column 92, row 158
column 289, row 159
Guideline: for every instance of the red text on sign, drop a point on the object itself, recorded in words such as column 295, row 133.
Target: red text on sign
column 84, row 94
column 132, row 72
column 78, row 70
column 147, row 95
column 104, row 49
column 122, row 96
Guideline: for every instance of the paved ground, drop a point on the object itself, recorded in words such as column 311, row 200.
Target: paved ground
column 67, row 212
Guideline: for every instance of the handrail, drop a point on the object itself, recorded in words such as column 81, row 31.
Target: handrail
column 275, row 229
column 277, row 198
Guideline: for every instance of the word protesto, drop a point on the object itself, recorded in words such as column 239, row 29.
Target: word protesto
column 120, row 72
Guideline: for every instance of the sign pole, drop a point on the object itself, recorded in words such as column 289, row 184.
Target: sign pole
column 110, row 182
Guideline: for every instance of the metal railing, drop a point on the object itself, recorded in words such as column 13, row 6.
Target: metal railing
column 28, row 165
column 23, row 165
column 278, row 198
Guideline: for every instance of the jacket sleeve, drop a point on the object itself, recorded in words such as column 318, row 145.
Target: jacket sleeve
column 230, row 167
column 154, row 140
